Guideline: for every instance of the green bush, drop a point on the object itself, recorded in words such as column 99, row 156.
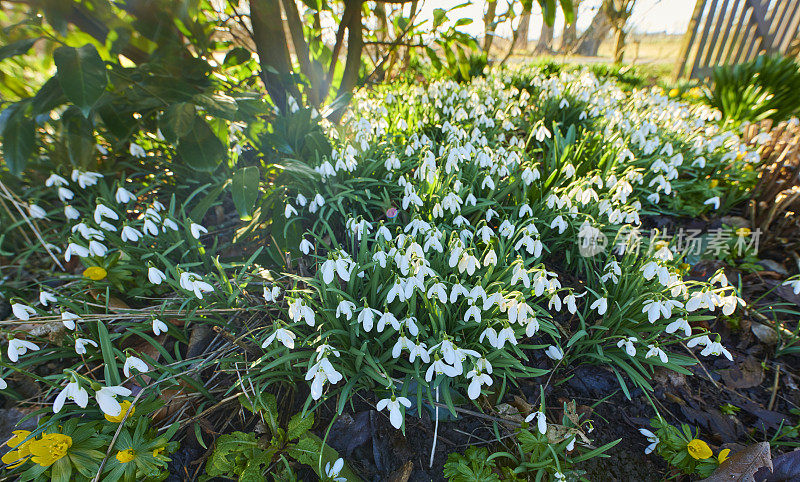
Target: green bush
column 765, row 88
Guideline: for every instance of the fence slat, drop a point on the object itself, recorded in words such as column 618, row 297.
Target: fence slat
column 725, row 32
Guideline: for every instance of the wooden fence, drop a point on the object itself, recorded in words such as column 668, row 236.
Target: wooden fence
column 729, row 32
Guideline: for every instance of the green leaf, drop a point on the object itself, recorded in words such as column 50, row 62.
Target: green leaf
column 298, row 425
column 244, row 188
column 19, row 139
column 236, row 56
column 177, row 120
column 109, row 358
column 82, row 75
column 17, row 48
column 200, row 148
column 80, row 138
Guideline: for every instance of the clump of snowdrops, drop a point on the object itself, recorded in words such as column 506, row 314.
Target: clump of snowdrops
column 446, row 234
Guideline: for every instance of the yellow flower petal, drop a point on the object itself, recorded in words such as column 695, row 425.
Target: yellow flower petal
column 699, row 450
column 19, row 436
column 723, row 455
column 125, row 456
column 51, row 447
column 95, row 273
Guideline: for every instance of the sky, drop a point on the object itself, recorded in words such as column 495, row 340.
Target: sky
column 649, row 16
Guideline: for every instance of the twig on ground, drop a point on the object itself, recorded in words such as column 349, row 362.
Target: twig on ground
column 774, row 387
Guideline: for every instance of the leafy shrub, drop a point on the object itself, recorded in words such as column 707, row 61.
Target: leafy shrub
column 765, row 88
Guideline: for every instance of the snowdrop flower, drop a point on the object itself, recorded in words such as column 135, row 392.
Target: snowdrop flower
column 289, row 211
column 630, row 349
column 306, row 246
column 560, row 223
column 795, row 284
column 150, row 227
column 679, row 324
column 36, row 212
column 55, row 180
column 542, row 132
column 656, row 351
column 69, row 319
column 282, row 335
column 22, row 312
column 541, row 421
column 103, row 211
column 155, row 275
column 71, row 213
column 366, row 318
column 85, row 178
column 130, row 234
column 478, row 379
column 333, row 471
column 159, row 327
column 17, row 348
column 299, row 311
column 715, row 348
column 393, row 405
column 271, row 295
column 170, row 224
column 134, row 362
column 123, row 196
column 322, row 372
column 601, row 305
column 652, row 438
column 80, row 345
column 197, row 230
column 554, row 353
column 345, row 308
column 74, row 392
column 97, row 248
column 699, row 340
column 45, row 298
column 439, row 367
column 194, row 282
column 106, row 398
column 713, row 201
column 136, row 150
column 65, row 194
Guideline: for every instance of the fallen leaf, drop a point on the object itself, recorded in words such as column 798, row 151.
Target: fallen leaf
column 785, row 468
column 521, row 405
column 741, row 466
column 403, row 473
column 747, row 374
column 509, row 412
column 765, row 334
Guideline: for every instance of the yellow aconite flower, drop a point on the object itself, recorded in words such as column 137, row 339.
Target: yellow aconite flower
column 674, row 93
column 125, row 405
column 51, row 447
column 723, row 455
column 95, row 273
column 125, row 456
column 160, row 451
column 742, row 232
column 15, row 458
column 714, row 183
column 699, row 450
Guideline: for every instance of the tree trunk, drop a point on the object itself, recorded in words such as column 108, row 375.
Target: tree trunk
column 355, row 44
column 569, row 36
column 589, row 42
column 488, row 25
column 273, row 51
column 545, row 42
column 619, row 45
column 522, row 29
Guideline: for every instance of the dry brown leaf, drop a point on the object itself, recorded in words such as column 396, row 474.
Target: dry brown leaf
column 741, row 466
column 403, row 473
column 765, row 334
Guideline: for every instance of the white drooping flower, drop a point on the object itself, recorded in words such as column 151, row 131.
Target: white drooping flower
column 45, row 298
column 656, row 351
column 541, row 421
column 478, row 379
column 107, row 399
column 194, row 282
column 393, row 405
column 22, row 311
column 652, row 438
column 306, row 246
column 73, row 391
column 123, row 196
column 36, row 212
column 554, row 353
column 17, row 348
column 271, row 295
column 333, row 471
column 627, row 342
column 69, row 320
column 80, row 345
column 159, row 327
column 134, row 362
column 130, row 234
column 197, row 230
column 282, row 335
column 679, row 324
column 155, row 275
